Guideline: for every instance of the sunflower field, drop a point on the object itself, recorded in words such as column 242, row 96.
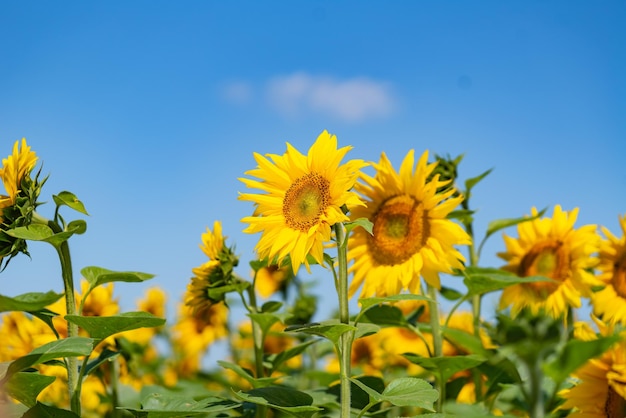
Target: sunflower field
column 398, row 241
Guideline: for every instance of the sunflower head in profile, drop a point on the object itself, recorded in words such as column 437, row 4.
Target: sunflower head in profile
column 600, row 388
column 552, row 248
column 412, row 236
column 211, row 280
column 303, row 198
column 18, row 205
column 610, row 302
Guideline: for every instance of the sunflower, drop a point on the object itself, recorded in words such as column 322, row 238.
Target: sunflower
column 553, row 248
column 303, row 199
column 601, row 382
column 14, row 169
column 215, row 273
column 271, row 279
column 411, row 235
column 610, row 302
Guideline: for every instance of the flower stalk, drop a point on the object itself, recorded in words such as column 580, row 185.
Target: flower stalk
column 345, row 349
column 437, row 341
column 63, row 250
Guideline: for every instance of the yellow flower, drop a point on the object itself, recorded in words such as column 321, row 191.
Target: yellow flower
column 610, row 302
column 14, row 168
column 411, row 235
column 270, row 279
column 213, row 241
column 553, row 248
column 601, row 383
column 154, row 303
column 194, row 331
column 303, row 200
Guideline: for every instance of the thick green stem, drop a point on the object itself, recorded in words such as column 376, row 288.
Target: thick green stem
column 257, row 340
column 437, row 341
column 536, row 389
column 63, row 251
column 345, row 349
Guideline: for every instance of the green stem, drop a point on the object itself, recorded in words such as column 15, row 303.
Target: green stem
column 345, row 342
column 437, row 341
column 257, row 340
column 65, row 259
column 536, row 390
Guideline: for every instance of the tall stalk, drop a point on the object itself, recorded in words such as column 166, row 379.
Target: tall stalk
column 437, row 341
column 63, row 250
column 345, row 342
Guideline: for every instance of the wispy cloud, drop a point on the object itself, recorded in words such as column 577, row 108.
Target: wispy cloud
column 237, row 92
column 352, row 100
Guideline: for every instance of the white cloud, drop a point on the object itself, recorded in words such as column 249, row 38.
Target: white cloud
column 237, row 92
column 352, row 100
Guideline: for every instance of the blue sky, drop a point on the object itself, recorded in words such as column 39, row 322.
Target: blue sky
column 149, row 111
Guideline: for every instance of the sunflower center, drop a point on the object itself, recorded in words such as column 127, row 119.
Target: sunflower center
column 305, row 201
column 619, row 276
column 615, row 405
column 549, row 259
column 400, row 229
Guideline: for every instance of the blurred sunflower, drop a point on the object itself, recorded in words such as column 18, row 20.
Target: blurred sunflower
column 600, row 390
column 610, row 302
column 303, row 200
column 553, row 248
column 411, row 235
column 271, row 279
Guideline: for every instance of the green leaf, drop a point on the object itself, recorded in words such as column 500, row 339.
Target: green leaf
column 278, row 359
column 32, row 232
column 78, row 226
column 385, row 315
column 484, row 280
column 404, row 391
column 265, row 320
column 28, row 302
column 471, row 182
column 41, row 410
column 105, row 355
column 331, row 330
column 271, row 306
column 469, row 342
column 69, row 199
column 67, row 347
column 368, row 302
column 446, row 366
column 575, row 354
column 97, row 276
column 360, row 398
column 499, row 224
column 160, row 405
column 101, row 327
column 362, row 222
column 247, row 375
column 25, row 387
column 450, row 294
column 291, row 401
